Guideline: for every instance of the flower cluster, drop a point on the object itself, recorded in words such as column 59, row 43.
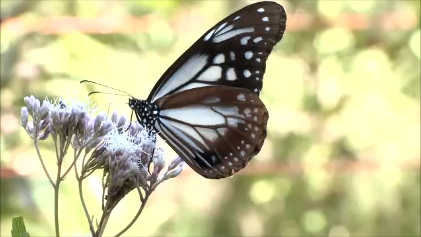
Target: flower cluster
column 124, row 151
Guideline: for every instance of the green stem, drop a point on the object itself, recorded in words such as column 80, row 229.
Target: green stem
column 56, row 199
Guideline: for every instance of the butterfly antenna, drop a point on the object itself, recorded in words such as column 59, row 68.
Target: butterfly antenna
column 88, row 81
column 106, row 93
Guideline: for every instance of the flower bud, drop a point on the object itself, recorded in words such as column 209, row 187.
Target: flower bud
column 44, row 135
column 24, row 116
column 43, row 124
column 121, row 123
column 114, row 117
column 158, row 163
column 106, row 127
column 30, row 129
column 30, row 104
column 175, row 172
column 44, row 110
column 36, row 105
column 175, row 163
column 98, row 121
column 94, row 143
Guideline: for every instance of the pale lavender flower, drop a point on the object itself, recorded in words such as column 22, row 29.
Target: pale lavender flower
column 123, row 150
column 37, row 127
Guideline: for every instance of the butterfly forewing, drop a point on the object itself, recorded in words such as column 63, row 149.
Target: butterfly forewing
column 232, row 53
column 216, row 130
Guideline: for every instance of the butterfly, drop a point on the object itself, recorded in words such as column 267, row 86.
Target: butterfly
column 206, row 106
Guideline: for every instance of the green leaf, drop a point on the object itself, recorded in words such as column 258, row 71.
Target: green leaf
column 18, row 227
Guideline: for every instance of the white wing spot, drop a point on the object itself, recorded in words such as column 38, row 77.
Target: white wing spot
column 267, row 28
column 247, row 73
column 233, row 122
column 231, row 76
column 256, row 90
column 209, row 134
column 209, row 35
column 235, row 159
column 256, row 128
column 248, row 54
column 212, row 100
column 221, row 27
column 260, row 10
column 230, row 163
column 256, row 110
column 237, row 17
column 232, row 56
column 247, row 111
column 257, row 72
column 260, row 53
column 257, row 40
column 231, row 154
column 265, row 18
column 245, row 40
column 241, row 97
column 223, row 31
column 258, row 59
column 227, row 111
column 220, row 58
column 213, row 73
column 253, row 135
column 242, row 141
column 230, row 34
column 189, row 115
column 242, row 153
column 255, row 117
column 238, row 148
column 222, row 167
column 183, row 75
column 257, row 78
column 247, row 146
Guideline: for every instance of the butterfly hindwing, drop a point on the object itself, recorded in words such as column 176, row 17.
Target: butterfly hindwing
column 216, row 130
column 232, row 53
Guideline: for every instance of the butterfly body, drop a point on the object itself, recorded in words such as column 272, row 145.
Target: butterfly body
column 206, row 106
column 146, row 112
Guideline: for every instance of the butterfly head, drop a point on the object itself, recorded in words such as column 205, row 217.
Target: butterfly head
column 146, row 112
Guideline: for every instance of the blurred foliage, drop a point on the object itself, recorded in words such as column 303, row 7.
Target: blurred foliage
column 342, row 88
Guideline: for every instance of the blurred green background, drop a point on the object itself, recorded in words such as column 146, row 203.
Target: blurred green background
column 342, row 156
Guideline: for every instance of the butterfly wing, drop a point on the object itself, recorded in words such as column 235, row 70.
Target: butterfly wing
column 216, row 130
column 232, row 53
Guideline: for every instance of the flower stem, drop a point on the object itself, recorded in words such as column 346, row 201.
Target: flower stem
column 82, row 200
column 85, row 209
column 71, row 165
column 42, row 163
column 60, row 158
column 56, row 198
column 103, row 223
